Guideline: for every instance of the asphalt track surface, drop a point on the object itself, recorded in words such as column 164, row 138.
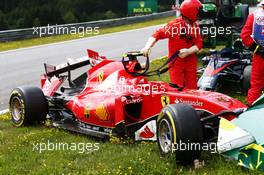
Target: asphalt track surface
column 24, row 66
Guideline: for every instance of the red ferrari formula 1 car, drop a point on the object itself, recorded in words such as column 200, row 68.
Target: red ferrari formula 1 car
column 116, row 98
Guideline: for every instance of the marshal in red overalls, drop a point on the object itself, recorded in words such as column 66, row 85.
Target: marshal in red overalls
column 184, row 70
column 252, row 36
column 184, row 36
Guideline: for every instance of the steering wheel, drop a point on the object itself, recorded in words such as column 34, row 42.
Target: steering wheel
column 135, row 69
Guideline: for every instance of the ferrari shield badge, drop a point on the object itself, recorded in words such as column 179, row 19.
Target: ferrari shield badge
column 165, row 100
column 100, row 76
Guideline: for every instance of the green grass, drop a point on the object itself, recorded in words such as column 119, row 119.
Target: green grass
column 53, row 39
column 113, row 157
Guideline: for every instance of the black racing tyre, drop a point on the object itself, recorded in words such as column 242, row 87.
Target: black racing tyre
column 27, row 105
column 177, row 125
column 246, row 79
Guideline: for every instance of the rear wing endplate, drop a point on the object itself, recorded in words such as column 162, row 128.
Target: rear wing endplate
column 72, row 64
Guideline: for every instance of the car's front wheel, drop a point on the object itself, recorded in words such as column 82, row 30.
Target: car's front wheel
column 27, row 104
column 178, row 128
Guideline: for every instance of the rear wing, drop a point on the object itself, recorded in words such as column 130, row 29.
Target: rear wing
column 73, row 64
column 95, row 58
column 66, row 67
column 94, row 55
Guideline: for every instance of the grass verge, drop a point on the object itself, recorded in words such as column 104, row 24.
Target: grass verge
column 53, row 39
column 18, row 156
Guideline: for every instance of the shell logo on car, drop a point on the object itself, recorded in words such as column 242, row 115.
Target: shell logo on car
column 102, row 113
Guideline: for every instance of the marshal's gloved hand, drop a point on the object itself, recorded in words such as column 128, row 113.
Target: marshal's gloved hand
column 186, row 52
column 257, row 49
column 146, row 50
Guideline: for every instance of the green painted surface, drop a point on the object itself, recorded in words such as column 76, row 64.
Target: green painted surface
column 252, row 157
column 232, row 153
column 140, row 7
column 209, row 7
column 252, row 121
column 238, row 11
column 259, row 103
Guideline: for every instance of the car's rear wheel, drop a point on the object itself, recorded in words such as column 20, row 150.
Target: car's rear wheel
column 178, row 125
column 27, row 105
column 246, row 79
